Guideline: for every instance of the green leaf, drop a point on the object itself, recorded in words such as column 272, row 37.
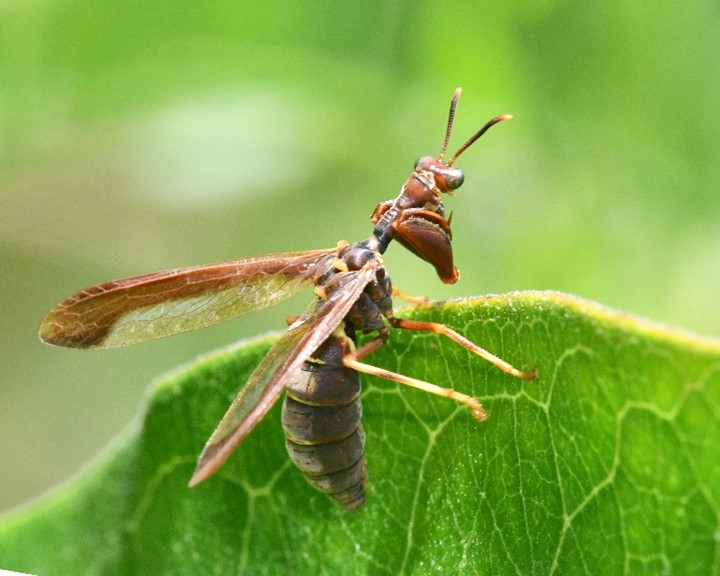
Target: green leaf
column 609, row 463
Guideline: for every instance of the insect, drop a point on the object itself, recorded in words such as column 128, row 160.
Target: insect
column 317, row 360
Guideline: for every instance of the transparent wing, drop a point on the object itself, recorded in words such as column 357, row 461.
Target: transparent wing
column 141, row 308
column 268, row 380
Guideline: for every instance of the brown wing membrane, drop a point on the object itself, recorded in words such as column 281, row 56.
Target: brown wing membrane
column 141, row 308
column 268, row 380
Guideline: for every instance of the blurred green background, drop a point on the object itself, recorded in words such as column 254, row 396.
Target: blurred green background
column 137, row 136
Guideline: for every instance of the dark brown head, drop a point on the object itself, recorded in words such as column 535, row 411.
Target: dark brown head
column 446, row 178
column 416, row 218
column 432, row 176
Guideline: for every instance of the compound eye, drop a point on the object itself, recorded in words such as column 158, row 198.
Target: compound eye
column 454, row 179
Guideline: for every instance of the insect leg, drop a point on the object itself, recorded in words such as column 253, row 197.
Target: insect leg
column 353, row 361
column 443, row 330
column 410, row 299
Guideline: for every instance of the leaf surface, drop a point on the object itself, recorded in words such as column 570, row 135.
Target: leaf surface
column 609, row 463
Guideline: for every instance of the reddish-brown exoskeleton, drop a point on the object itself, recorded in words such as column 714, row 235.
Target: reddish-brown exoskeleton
column 316, row 360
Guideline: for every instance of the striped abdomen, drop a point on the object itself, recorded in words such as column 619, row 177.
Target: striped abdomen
column 321, row 419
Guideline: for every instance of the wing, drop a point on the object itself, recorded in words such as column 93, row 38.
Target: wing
column 140, row 308
column 268, row 380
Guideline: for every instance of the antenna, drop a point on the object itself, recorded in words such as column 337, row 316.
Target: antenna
column 451, row 119
column 477, row 135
